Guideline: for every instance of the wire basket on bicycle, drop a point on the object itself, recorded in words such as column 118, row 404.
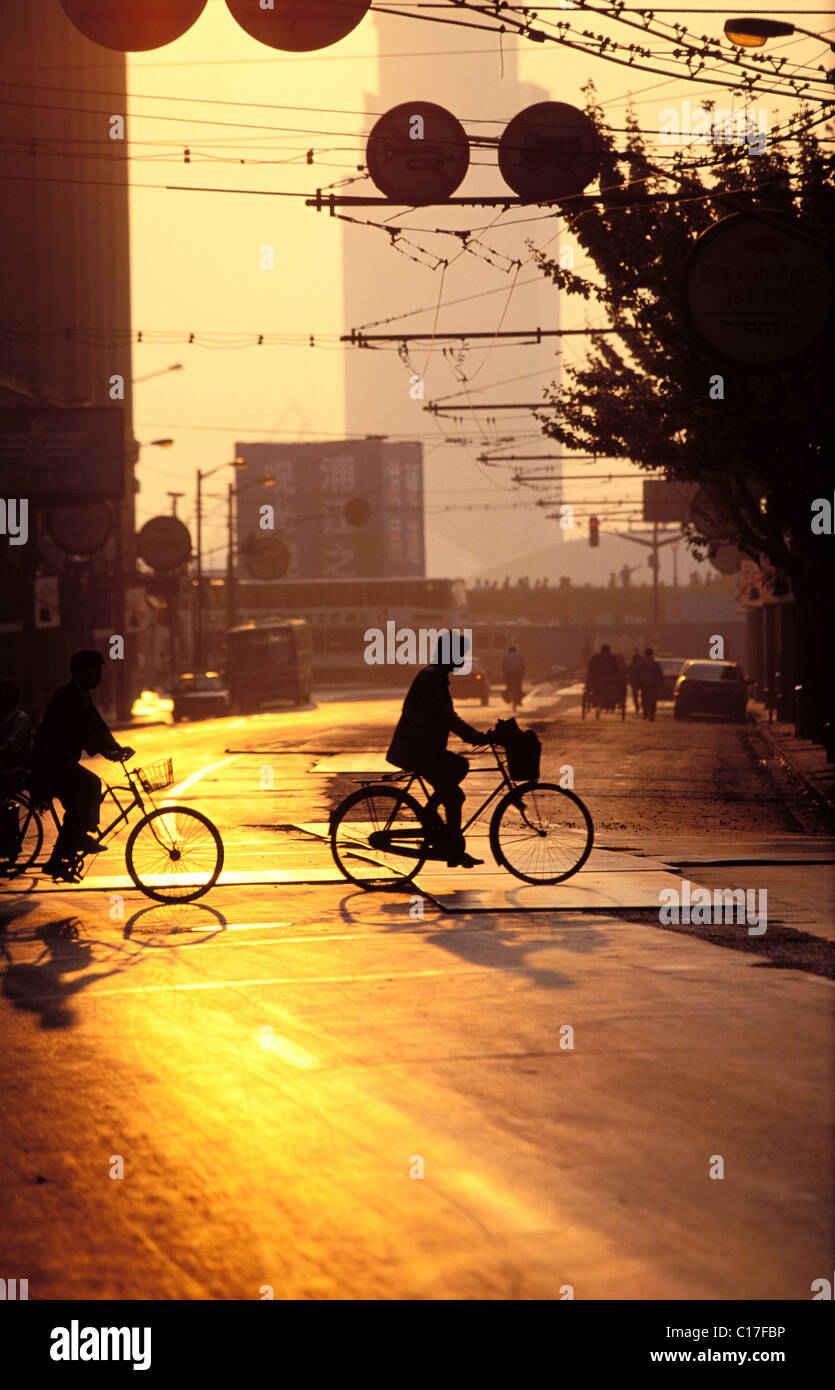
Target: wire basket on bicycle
column 156, row 775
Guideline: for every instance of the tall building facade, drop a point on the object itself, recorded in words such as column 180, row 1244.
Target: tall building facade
column 64, row 348
column 386, row 280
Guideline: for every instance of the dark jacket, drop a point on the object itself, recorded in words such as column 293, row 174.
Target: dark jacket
column 71, row 726
column 649, row 674
column 426, row 721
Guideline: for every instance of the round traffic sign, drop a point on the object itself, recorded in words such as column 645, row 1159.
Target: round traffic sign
column 299, row 25
column 81, row 530
column 711, row 519
column 164, row 543
column 727, row 559
column 132, row 26
column 549, row 151
column 757, row 291
column 266, row 557
column 356, row 511
column 417, row 153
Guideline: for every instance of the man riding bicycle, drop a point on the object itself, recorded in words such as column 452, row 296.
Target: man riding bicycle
column 71, row 726
column 419, row 742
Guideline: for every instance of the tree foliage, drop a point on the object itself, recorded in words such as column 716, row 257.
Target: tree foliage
column 643, row 395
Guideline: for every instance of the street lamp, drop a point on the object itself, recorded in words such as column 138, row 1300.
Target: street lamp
column 748, row 31
column 175, row 367
column 237, row 464
column 266, row 480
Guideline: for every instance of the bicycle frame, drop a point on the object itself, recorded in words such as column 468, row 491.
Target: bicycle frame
column 124, row 811
column 433, row 800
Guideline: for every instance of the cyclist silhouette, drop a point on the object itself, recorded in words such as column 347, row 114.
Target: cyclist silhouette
column 71, row 726
column 419, row 742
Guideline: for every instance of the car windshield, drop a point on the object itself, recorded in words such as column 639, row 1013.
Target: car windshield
column 712, row 671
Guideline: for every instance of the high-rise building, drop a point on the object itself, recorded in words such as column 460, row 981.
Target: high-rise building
column 480, row 289
column 64, row 346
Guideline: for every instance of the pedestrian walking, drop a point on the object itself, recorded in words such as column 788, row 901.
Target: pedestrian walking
column 632, row 677
column 650, row 681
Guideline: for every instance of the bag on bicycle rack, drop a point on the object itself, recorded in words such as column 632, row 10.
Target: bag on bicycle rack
column 523, row 749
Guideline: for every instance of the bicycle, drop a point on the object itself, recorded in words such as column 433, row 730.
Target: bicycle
column 173, row 854
column 381, row 835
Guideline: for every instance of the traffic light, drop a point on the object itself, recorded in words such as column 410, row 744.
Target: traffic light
column 594, row 531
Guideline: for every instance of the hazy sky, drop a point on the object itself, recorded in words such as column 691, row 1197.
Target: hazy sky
column 197, row 255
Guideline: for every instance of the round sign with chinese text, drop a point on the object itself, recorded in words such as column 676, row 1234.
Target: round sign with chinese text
column 417, row 153
column 549, row 151
column 757, row 291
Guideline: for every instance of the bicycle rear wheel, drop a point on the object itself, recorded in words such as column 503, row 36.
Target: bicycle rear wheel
column 541, row 833
column 25, row 834
column 174, row 854
column 378, row 837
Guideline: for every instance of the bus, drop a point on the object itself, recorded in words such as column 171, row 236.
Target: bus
column 340, row 611
column 268, row 661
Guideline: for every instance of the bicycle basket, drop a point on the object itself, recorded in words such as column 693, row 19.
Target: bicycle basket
column 523, row 755
column 156, row 775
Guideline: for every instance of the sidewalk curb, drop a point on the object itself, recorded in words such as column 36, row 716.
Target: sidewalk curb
column 784, row 754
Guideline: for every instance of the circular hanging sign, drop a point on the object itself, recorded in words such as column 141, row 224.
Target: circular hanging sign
column 711, row 519
column 132, row 26
column 299, row 25
column 81, row 530
column 356, row 511
column 549, row 151
column 756, row 291
column 266, row 557
column 727, row 559
column 164, row 543
column 417, row 153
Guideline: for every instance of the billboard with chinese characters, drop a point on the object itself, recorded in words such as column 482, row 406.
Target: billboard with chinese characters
column 307, row 495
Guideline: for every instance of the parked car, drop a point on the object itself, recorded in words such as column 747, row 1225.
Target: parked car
column 672, row 666
column 474, row 685
column 711, row 687
column 200, row 695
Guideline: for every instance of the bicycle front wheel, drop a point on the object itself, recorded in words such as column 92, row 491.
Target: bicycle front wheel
column 174, row 854
column 378, row 837
column 24, row 832
column 541, row 833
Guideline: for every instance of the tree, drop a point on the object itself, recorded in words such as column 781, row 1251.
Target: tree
column 763, row 452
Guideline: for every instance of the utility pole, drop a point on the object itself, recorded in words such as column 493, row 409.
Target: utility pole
column 175, row 497
column 198, row 598
column 237, row 464
column 654, row 546
column 230, row 560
